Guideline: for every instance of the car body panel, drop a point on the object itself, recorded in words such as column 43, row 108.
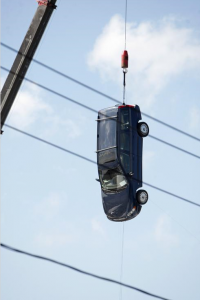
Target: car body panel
column 119, row 159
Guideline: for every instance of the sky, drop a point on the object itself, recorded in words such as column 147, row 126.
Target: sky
column 50, row 202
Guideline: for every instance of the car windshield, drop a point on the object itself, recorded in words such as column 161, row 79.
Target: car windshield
column 112, row 179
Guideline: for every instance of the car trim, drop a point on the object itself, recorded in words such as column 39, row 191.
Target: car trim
column 122, row 106
column 106, row 118
column 106, row 149
column 120, row 219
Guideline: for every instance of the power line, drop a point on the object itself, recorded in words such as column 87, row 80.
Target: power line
column 93, row 110
column 50, row 144
column 54, row 92
column 102, row 94
column 81, row 271
column 173, row 146
column 92, row 161
column 65, row 75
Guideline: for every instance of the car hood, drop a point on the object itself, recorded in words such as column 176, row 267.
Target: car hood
column 116, row 204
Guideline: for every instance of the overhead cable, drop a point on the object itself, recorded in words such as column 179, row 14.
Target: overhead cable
column 103, row 94
column 81, row 271
column 173, row 146
column 93, row 110
column 92, row 161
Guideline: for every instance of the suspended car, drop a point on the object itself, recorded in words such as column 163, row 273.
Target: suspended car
column 119, row 157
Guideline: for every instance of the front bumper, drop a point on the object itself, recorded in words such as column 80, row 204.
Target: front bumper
column 126, row 218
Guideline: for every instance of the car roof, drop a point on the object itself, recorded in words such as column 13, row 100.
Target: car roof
column 108, row 112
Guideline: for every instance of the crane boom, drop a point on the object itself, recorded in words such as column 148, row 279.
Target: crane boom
column 25, row 55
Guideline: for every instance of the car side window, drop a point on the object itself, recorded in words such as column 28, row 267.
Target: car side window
column 124, row 119
column 124, row 139
column 125, row 161
column 124, row 130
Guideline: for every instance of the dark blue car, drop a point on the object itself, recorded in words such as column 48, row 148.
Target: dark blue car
column 119, row 157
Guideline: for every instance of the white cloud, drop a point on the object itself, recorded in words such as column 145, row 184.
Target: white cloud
column 28, row 107
column 97, row 227
column 55, row 238
column 72, row 128
column 56, row 230
column 49, row 207
column 194, row 117
column 157, row 52
column 163, row 233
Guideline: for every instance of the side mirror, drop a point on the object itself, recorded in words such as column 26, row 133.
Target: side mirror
column 130, row 174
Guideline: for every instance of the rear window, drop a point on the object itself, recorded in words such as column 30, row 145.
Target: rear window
column 107, row 133
column 107, row 156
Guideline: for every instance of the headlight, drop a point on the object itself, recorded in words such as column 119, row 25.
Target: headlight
column 132, row 211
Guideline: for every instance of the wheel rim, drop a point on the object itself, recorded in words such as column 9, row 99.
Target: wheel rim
column 144, row 129
column 143, row 197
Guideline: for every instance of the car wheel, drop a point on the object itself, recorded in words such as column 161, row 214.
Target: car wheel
column 143, row 129
column 142, row 197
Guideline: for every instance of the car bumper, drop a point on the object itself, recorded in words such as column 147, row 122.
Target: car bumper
column 126, row 218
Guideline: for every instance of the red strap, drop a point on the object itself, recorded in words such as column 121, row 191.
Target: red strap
column 44, row 2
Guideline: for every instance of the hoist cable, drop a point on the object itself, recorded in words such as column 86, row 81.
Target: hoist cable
column 93, row 110
column 124, row 89
column 92, row 161
column 125, row 22
column 122, row 259
column 100, row 93
column 124, row 70
column 80, row 271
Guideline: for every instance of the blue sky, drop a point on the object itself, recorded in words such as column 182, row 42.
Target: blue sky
column 50, row 201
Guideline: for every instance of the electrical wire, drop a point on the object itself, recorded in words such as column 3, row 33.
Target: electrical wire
column 173, row 146
column 174, row 220
column 81, row 271
column 93, row 110
column 102, row 94
column 92, row 161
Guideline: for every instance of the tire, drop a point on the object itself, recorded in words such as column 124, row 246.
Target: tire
column 143, row 129
column 142, row 197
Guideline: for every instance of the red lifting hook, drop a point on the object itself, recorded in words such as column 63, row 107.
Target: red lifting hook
column 124, row 61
